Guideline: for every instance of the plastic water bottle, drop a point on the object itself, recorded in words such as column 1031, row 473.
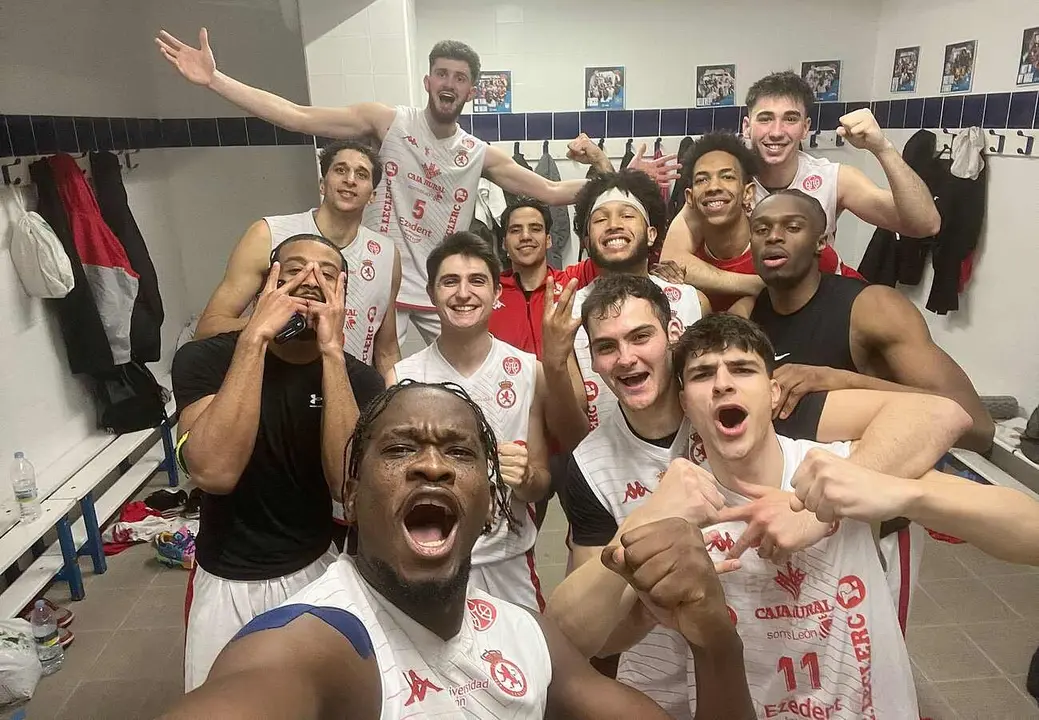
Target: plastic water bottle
column 45, row 630
column 23, row 478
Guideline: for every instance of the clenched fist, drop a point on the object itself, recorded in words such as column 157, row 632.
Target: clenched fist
column 833, row 487
column 686, row 491
column 861, row 129
column 512, row 458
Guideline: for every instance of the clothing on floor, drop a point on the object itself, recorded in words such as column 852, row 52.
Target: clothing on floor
column 557, row 254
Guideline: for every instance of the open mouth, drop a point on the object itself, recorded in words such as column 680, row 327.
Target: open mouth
column 446, row 97
column 348, row 194
column 430, row 527
column 634, row 380
column 774, row 148
column 731, row 420
column 774, row 259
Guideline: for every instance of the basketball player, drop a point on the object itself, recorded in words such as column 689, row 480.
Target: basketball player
column 615, row 478
column 778, row 119
column 399, row 632
column 509, row 386
column 432, row 165
column 255, row 415
column 720, row 171
column 350, row 171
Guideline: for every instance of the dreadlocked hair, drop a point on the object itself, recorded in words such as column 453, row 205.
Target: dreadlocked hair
column 353, row 453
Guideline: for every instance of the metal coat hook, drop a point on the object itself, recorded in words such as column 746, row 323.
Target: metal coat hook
column 129, row 165
column 999, row 146
column 627, row 148
column 1028, row 145
column 7, row 174
column 839, row 140
column 544, row 148
column 813, row 139
column 602, row 143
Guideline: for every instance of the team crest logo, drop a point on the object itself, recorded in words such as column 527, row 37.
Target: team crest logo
column 461, row 195
column 374, row 248
column 673, row 293
column 792, row 580
column 506, row 395
column 367, row 270
column 411, row 139
column 732, row 616
column 468, row 143
column 461, row 159
column 506, row 674
column 391, row 169
column 851, row 591
column 431, row 170
column 812, row 183
column 372, row 312
column 591, row 390
column 511, row 365
column 482, row 613
column 697, row 452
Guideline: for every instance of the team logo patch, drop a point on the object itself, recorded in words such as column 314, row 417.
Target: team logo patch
column 411, row 139
column 732, row 615
column 419, row 687
column 812, row 183
column 367, row 270
column 482, row 613
column 851, row 591
column 431, row 170
column 461, row 195
column 791, row 580
column 374, row 248
column 697, row 452
column 591, row 390
column 391, row 169
column 468, row 143
column 506, row 674
column 372, row 313
column 673, row 294
column 461, row 159
column 511, row 365
column 506, row 395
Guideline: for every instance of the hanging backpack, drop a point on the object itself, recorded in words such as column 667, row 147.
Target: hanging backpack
column 37, row 254
column 129, row 398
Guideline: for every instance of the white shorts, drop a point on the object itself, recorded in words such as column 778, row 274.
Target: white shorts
column 216, row 609
column 515, row 580
column 426, row 321
column 901, row 552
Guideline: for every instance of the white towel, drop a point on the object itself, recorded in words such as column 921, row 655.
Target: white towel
column 967, row 149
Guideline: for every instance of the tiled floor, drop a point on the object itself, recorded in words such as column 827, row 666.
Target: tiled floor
column 973, row 628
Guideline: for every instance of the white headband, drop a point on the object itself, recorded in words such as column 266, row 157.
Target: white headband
column 618, row 195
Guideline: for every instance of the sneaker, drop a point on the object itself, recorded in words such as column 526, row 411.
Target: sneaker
column 63, row 616
column 193, row 507
column 176, row 549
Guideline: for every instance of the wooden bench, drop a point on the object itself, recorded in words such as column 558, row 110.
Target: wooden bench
column 71, row 480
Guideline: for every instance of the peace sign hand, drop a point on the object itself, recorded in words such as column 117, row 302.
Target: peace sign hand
column 558, row 326
column 275, row 305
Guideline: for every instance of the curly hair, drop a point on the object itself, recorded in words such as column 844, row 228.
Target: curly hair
column 354, row 451
column 633, row 182
column 719, row 332
column 719, row 142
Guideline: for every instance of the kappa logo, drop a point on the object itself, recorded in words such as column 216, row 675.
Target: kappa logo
column 498, row 305
column 812, row 183
column 722, row 543
column 367, row 270
column 506, row 395
column 506, row 674
column 697, row 451
column 461, row 159
column 392, row 169
column 412, row 140
column 482, row 613
column 636, row 491
column 431, row 170
column 673, row 293
column 316, row 400
column 511, row 365
column 374, row 247
column 419, row 687
column 851, row 591
column 461, row 195
column 591, row 390
column 791, row 580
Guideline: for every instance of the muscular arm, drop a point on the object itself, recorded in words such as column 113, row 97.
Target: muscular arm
column 243, row 278
column 386, row 349
column 906, row 208
column 338, row 418
column 503, row 171
column 681, row 243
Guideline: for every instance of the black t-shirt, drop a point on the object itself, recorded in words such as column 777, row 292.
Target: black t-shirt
column 278, row 519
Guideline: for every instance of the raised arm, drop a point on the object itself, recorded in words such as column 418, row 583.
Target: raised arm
column 242, row 281
column 502, row 170
column 386, row 348
column 908, row 207
column 566, row 413
column 199, row 67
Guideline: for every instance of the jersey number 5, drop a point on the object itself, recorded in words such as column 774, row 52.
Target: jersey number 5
column 809, row 661
column 419, row 209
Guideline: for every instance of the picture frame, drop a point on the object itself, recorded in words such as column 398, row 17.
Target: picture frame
column 906, row 70
column 493, row 92
column 958, row 66
column 715, row 85
column 604, row 88
column 824, row 77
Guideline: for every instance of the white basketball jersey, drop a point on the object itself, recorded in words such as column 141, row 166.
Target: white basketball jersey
column 428, row 191
column 504, row 389
column 623, row 471
column 497, row 667
column 685, row 307
column 369, row 262
column 817, row 177
column 820, row 635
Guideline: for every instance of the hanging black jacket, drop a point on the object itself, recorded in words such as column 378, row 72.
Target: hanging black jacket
column 146, row 321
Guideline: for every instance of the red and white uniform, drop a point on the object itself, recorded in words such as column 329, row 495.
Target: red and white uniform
column 503, row 387
column 685, row 307
column 369, row 261
column 816, row 177
column 497, row 667
column 428, row 192
column 821, row 635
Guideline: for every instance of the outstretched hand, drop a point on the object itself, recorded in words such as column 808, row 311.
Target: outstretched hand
column 196, row 64
column 664, row 169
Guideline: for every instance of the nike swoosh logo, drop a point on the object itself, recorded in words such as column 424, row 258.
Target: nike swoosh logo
column 780, row 357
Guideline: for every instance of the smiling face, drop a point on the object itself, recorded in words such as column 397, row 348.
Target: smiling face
column 450, row 86
column 619, row 237
column 719, row 190
column 464, row 293
column 775, row 125
column 423, row 496
column 729, row 398
column 785, row 240
column 347, row 186
column 526, row 239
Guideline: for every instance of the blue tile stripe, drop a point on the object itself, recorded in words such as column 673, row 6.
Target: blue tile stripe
column 43, row 134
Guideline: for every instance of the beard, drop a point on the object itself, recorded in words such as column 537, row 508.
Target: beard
column 442, row 117
column 631, row 264
column 416, row 597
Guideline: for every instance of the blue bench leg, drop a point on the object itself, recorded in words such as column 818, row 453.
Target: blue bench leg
column 70, row 573
column 94, row 547
column 170, row 463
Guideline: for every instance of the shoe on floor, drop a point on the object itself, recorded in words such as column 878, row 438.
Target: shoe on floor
column 176, row 549
column 63, row 616
column 65, row 637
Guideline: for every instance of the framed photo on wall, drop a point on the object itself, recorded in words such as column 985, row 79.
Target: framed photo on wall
column 715, row 85
column 493, row 92
column 958, row 66
column 1028, row 70
column 824, row 77
column 604, row 88
column 904, row 72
